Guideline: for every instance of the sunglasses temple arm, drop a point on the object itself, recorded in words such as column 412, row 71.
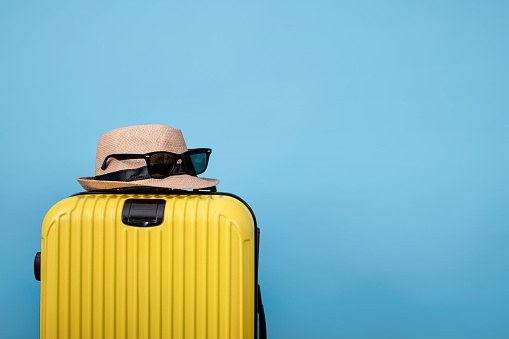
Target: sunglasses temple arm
column 103, row 167
column 121, row 157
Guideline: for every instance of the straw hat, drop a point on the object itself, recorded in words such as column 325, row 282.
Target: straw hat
column 140, row 140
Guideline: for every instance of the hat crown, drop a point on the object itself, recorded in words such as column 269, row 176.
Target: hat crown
column 138, row 139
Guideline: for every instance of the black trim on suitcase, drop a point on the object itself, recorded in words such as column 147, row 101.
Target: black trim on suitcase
column 262, row 324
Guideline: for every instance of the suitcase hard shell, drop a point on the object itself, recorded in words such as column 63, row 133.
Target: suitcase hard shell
column 192, row 276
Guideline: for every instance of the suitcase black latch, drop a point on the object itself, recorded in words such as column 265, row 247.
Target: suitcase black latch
column 143, row 212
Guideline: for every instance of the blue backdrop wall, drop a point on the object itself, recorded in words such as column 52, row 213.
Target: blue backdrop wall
column 370, row 138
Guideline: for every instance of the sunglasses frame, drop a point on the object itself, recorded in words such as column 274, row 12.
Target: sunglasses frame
column 176, row 157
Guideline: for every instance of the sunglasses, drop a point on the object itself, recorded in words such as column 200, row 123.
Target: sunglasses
column 161, row 164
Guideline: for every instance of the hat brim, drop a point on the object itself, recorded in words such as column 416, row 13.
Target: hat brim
column 182, row 181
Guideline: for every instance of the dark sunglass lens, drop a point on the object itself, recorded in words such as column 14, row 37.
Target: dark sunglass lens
column 160, row 165
column 196, row 163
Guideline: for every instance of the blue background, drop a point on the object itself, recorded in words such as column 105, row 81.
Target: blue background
column 370, row 138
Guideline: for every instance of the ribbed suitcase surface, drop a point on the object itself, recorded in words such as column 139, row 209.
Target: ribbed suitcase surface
column 193, row 276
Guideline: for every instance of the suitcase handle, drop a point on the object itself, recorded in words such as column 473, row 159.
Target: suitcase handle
column 143, row 212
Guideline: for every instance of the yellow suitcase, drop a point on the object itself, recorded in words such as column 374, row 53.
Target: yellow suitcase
column 172, row 264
